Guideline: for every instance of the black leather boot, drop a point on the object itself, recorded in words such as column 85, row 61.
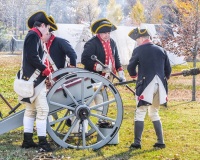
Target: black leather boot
column 138, row 129
column 157, row 145
column 28, row 141
column 44, row 146
column 159, row 134
column 135, row 146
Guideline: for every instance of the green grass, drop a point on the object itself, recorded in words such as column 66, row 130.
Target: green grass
column 181, row 125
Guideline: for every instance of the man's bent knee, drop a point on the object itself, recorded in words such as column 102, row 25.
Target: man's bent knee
column 29, row 113
column 42, row 115
column 140, row 115
column 154, row 117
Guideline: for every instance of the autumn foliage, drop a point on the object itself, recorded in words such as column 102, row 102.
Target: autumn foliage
column 185, row 37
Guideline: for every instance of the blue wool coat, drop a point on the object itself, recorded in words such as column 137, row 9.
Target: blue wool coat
column 33, row 58
column 151, row 61
column 95, row 47
column 59, row 49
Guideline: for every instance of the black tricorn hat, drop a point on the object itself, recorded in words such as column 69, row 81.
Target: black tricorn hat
column 55, row 27
column 42, row 17
column 137, row 33
column 102, row 26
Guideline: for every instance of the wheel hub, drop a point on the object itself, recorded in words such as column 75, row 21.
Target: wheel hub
column 82, row 112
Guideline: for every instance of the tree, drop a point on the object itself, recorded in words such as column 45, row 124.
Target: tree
column 63, row 11
column 186, row 35
column 114, row 12
column 144, row 11
column 14, row 13
column 3, row 36
column 152, row 10
column 137, row 13
column 131, row 2
column 88, row 10
column 170, row 13
column 103, row 4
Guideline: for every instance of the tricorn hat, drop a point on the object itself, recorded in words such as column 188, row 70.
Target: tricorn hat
column 137, row 33
column 55, row 27
column 42, row 17
column 102, row 26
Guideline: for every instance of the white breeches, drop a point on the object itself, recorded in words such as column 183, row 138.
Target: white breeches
column 153, row 110
column 39, row 107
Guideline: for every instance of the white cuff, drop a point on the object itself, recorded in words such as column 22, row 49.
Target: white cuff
column 99, row 68
column 122, row 76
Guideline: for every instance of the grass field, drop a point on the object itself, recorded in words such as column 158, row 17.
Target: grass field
column 181, row 124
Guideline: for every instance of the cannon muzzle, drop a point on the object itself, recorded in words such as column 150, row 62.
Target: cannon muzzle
column 188, row 72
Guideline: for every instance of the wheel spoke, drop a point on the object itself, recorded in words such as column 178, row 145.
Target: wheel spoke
column 70, row 95
column 60, row 124
column 61, row 105
column 96, row 128
column 82, row 90
column 62, row 119
column 70, row 130
column 94, row 95
column 102, row 104
column 83, row 134
column 103, row 117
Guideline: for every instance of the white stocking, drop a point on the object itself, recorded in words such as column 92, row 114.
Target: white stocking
column 41, row 127
column 28, row 124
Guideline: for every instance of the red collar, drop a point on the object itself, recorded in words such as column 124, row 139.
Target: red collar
column 146, row 41
column 48, row 44
column 36, row 31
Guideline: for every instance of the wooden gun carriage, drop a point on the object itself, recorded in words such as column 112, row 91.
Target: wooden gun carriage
column 74, row 119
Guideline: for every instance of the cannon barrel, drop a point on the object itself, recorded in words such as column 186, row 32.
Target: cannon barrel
column 188, row 72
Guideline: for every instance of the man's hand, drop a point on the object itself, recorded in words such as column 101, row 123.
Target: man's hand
column 106, row 70
column 48, row 83
column 122, row 76
column 71, row 66
column 102, row 69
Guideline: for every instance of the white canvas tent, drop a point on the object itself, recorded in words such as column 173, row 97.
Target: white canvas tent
column 124, row 43
column 78, row 34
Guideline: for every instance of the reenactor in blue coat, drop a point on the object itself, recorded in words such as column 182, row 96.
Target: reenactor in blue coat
column 35, row 68
column 58, row 49
column 105, row 49
column 151, row 87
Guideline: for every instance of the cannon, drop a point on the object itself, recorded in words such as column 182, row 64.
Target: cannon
column 188, row 72
column 75, row 121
